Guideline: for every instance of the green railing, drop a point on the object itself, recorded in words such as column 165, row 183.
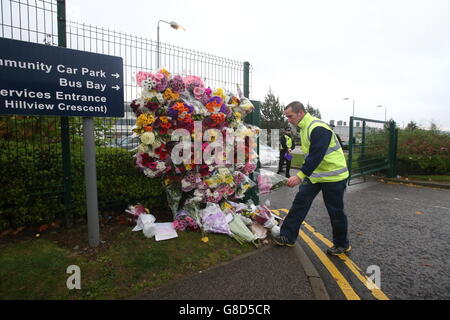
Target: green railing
column 60, row 138
column 372, row 147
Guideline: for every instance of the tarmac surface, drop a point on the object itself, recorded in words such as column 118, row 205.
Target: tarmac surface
column 402, row 230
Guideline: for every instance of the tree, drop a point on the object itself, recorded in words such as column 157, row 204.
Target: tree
column 412, row 125
column 434, row 127
column 272, row 112
column 313, row 111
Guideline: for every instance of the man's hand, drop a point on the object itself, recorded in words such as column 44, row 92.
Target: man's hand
column 289, row 150
column 293, row 181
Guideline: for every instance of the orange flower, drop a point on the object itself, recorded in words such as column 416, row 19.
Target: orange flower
column 211, row 106
column 218, row 117
column 148, row 128
column 165, row 72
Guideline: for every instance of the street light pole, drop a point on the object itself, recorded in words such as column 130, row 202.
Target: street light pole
column 379, row 106
column 175, row 26
column 353, row 104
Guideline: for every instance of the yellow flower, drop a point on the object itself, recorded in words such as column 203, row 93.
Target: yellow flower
column 238, row 116
column 170, row 95
column 226, row 205
column 165, row 72
column 145, row 119
column 229, row 180
column 220, row 93
column 204, row 239
column 188, row 167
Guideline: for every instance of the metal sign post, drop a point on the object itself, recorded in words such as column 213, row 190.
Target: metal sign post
column 90, row 178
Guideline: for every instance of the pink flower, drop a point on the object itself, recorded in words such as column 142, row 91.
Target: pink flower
column 198, row 92
column 159, row 76
column 141, row 75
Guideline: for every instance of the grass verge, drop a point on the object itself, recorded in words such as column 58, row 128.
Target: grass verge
column 126, row 265
column 442, row 178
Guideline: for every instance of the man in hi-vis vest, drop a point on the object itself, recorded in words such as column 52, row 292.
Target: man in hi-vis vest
column 324, row 169
column 287, row 144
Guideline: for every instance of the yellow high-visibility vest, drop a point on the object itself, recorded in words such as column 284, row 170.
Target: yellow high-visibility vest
column 333, row 166
column 288, row 141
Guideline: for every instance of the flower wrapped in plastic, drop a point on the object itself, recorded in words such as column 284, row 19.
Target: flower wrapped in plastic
column 214, row 220
column 240, row 231
column 269, row 181
column 174, row 194
column 183, row 221
column 137, row 210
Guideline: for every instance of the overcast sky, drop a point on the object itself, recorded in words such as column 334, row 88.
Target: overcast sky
column 393, row 53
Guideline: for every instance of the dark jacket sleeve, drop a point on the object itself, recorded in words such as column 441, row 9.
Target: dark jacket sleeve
column 283, row 143
column 320, row 140
column 293, row 143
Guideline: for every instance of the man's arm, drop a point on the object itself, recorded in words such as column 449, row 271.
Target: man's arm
column 320, row 140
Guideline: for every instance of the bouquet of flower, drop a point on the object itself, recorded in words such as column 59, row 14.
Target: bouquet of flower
column 214, row 220
column 170, row 103
column 185, row 222
column 269, row 181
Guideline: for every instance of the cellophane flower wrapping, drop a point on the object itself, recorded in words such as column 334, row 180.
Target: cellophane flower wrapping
column 239, row 230
column 214, row 220
column 269, row 181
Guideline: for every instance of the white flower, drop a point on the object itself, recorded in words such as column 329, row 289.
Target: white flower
column 156, row 144
column 149, row 173
column 142, row 148
column 148, row 138
column 160, row 166
column 185, row 184
column 148, row 84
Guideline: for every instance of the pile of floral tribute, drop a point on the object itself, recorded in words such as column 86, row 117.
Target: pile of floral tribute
column 203, row 196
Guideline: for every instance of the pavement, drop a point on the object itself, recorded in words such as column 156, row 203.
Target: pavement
column 270, row 273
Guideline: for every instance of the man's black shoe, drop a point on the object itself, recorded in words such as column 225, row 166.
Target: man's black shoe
column 283, row 241
column 334, row 251
column 288, row 176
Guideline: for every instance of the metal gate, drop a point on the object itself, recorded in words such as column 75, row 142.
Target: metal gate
column 372, row 148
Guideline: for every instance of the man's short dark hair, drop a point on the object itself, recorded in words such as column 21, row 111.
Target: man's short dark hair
column 296, row 107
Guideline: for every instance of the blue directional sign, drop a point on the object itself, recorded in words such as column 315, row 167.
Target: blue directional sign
column 39, row 79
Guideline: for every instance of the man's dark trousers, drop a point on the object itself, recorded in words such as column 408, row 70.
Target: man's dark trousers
column 333, row 196
column 281, row 163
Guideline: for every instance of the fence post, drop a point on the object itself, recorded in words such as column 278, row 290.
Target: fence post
column 251, row 194
column 392, row 149
column 350, row 151
column 65, row 138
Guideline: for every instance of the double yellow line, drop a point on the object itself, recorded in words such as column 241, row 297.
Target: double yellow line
column 343, row 284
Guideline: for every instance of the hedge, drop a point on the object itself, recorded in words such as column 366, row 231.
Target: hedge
column 425, row 152
column 28, row 174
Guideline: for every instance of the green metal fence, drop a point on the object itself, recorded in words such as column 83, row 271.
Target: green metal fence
column 60, row 138
column 372, row 147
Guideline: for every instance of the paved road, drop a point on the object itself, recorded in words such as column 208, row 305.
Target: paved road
column 402, row 230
